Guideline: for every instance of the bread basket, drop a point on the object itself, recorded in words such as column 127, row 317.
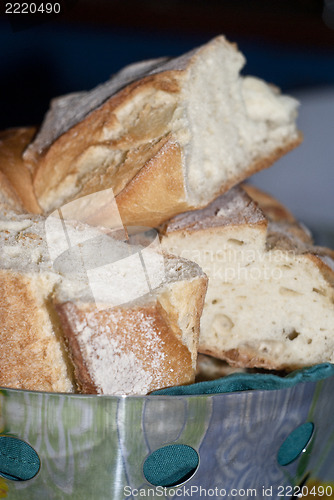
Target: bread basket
column 102, row 447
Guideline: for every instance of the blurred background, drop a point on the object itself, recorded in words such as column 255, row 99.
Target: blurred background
column 287, row 42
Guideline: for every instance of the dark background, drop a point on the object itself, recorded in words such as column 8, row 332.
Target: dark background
column 285, row 41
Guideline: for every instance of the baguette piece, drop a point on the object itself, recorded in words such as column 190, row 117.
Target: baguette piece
column 13, row 168
column 165, row 135
column 80, row 311
column 270, row 299
column 145, row 345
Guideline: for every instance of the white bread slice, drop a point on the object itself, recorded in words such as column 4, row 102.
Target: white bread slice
column 141, row 333
column 165, row 135
column 270, row 298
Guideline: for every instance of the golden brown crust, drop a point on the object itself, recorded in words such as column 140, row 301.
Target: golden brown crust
column 157, row 192
column 63, row 154
column 168, row 366
column 183, row 306
column 139, row 184
column 27, row 354
column 245, row 357
column 82, row 377
column 8, row 197
column 318, row 256
column 272, row 208
column 12, row 144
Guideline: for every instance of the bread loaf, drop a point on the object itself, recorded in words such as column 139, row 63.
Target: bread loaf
column 270, row 299
column 81, row 311
column 68, row 324
column 165, row 135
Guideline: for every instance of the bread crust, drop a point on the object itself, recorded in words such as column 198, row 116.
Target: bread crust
column 272, row 208
column 12, row 144
column 170, row 365
column 30, row 356
column 60, row 157
column 8, row 197
column 156, row 191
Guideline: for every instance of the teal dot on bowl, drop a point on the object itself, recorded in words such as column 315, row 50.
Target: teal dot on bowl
column 171, row 465
column 18, row 460
column 295, row 444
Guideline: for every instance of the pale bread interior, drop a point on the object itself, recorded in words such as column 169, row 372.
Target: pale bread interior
column 234, row 121
column 270, row 298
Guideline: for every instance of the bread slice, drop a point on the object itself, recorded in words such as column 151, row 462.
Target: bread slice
column 270, row 298
column 82, row 311
column 165, row 135
column 14, row 170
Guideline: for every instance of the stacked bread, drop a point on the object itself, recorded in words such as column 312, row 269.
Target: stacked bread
column 93, row 301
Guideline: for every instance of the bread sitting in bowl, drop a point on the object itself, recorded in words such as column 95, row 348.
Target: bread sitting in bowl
column 81, row 311
column 270, row 298
column 166, row 135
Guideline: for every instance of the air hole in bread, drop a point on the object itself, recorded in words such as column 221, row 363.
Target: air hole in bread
column 234, row 241
column 293, row 335
column 222, row 323
column 321, row 292
column 288, row 291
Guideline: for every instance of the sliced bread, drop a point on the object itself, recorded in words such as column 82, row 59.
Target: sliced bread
column 270, row 299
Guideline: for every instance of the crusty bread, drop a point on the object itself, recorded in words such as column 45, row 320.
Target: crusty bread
column 270, row 299
column 32, row 354
column 143, row 346
column 166, row 136
column 13, row 168
column 140, row 323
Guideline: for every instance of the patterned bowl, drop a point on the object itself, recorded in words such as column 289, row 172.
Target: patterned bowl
column 260, row 444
